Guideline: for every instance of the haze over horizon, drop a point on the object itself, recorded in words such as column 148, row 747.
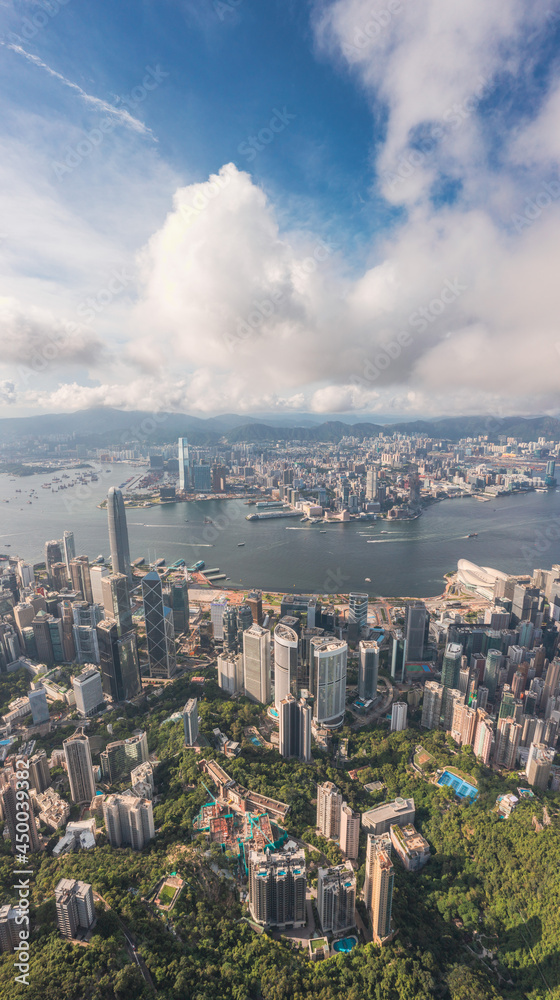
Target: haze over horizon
column 341, row 207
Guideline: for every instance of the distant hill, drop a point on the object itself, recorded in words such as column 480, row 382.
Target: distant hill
column 104, row 426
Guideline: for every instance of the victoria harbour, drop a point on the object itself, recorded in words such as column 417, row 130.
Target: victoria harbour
column 405, row 558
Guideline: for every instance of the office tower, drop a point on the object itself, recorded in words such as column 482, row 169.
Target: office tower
column 244, row 621
column 66, row 613
column 118, row 659
column 179, row 599
column 42, row 637
column 9, row 930
column 371, row 484
column 68, row 548
column 79, row 766
column 26, row 573
column 230, row 673
column 285, row 663
column 118, row 533
column 277, row 885
column 256, row 664
column 329, row 673
column 336, row 899
column 464, row 678
column 451, row 698
column 254, row 600
column 508, row 736
column 129, row 820
column 119, row 758
column 294, row 718
column 508, row 705
column 398, row 716
column 301, row 606
column 160, row 634
column 80, row 577
column 201, row 475
column 53, row 554
column 451, row 666
column 431, row 708
column 483, row 736
column 329, row 804
column 539, row 765
column 88, row 691
column 482, row 697
column 184, row 465
column 492, row 673
column 59, row 576
column 368, row 670
column 217, row 609
column 38, row 703
column 551, row 681
column 349, row 831
column 229, row 629
column 190, row 722
column 39, row 771
column 358, row 609
column 18, row 829
column 477, row 664
column 517, row 685
column 416, row 623
column 75, row 910
column 381, row 896
column 97, row 573
column 116, row 600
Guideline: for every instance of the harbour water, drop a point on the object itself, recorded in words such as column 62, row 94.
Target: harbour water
column 409, row 558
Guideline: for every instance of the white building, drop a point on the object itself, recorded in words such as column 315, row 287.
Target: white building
column 88, row 691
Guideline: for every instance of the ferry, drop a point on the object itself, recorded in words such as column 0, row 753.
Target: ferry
column 239, row 544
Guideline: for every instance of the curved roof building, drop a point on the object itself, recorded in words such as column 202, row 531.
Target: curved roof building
column 480, row 579
column 285, row 662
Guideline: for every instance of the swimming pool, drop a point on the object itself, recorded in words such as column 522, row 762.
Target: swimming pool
column 256, row 741
column 346, row 944
column 461, row 788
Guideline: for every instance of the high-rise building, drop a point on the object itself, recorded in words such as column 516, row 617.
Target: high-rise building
column 190, row 722
column 9, row 930
column 256, row 664
column 88, row 691
column 217, row 609
column 329, row 805
column 119, row 758
column 431, row 707
column 68, row 548
column 336, row 899
column 358, row 609
column 254, row 600
column 539, row 765
column 381, row 896
column 492, row 672
column 551, row 681
column 294, row 719
column 244, row 621
column 184, row 465
column 368, row 670
column 75, row 910
column 483, row 736
column 59, row 576
column 451, row 666
column 160, row 634
column 374, row 844
column 230, row 673
column 42, row 635
column 118, row 658
column 129, row 820
column 371, row 484
column 416, row 623
column 399, row 713
column 80, row 577
column 97, row 574
column 329, row 672
column 179, row 603
column 285, row 663
column 508, row 736
column 118, row 533
column 451, row 698
column 38, row 703
column 277, row 886
column 18, row 829
column 116, row 601
column 229, row 629
column 39, row 771
column 349, row 831
column 463, row 723
column 53, row 554
column 79, row 766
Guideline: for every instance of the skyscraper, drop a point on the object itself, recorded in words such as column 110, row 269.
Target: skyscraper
column 277, row 885
column 256, row 664
column 551, row 681
column 160, row 634
column 118, row 533
column 295, row 728
column 80, row 577
column 39, row 707
column 492, row 672
column 381, row 896
column 349, row 831
column 18, row 828
column 329, row 670
column 431, row 708
column 75, row 910
column 119, row 758
column 118, row 658
column 399, row 713
column 39, row 771
column 116, row 601
column 368, row 670
column 254, row 600
column 68, row 548
column 184, row 465
column 129, row 820
column 539, row 765
column 508, row 736
column 179, row 603
column 374, row 844
column 416, row 623
column 190, row 722
column 285, row 663
column 336, row 899
column 80, row 769
column 371, row 484
column 88, row 691
column 358, row 609
column 329, row 804
column 53, row 554
column 451, row 666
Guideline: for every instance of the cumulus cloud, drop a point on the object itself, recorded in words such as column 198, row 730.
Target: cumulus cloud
column 29, row 335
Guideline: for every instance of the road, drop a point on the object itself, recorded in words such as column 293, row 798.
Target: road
column 131, row 946
column 378, row 711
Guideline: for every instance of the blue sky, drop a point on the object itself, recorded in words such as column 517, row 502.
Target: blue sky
column 383, row 225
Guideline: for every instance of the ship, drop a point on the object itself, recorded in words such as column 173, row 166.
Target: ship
column 198, row 565
column 473, row 534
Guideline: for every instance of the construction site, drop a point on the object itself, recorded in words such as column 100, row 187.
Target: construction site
column 237, row 819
